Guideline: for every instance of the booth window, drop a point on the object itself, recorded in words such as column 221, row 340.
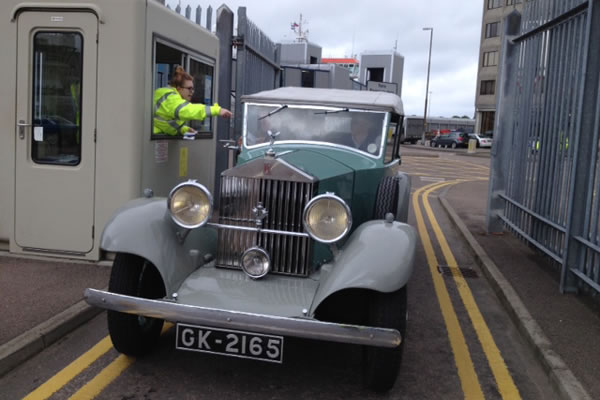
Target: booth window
column 166, row 59
column 56, row 98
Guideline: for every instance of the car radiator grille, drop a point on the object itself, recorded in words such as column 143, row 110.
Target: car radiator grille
column 285, row 202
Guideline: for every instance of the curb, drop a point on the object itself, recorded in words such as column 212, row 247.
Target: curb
column 28, row 344
column 561, row 376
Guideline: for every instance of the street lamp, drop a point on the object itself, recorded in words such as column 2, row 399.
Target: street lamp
column 429, row 105
column 427, row 87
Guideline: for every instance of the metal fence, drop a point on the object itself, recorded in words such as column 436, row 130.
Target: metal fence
column 256, row 68
column 545, row 176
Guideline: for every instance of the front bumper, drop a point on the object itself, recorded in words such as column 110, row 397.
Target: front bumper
column 295, row 327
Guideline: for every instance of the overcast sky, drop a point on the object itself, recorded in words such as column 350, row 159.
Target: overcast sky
column 343, row 28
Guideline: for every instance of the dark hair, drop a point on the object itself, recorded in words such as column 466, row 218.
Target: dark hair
column 179, row 77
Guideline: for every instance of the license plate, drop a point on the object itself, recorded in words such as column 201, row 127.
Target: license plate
column 231, row 343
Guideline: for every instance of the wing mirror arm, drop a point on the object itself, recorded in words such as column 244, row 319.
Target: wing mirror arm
column 229, row 144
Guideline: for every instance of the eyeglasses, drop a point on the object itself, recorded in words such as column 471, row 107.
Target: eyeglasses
column 190, row 88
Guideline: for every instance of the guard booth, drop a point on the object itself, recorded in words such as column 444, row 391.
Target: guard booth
column 76, row 143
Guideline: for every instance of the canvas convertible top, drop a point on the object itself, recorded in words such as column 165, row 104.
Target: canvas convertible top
column 361, row 99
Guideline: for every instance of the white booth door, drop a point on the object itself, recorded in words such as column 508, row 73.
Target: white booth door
column 56, row 119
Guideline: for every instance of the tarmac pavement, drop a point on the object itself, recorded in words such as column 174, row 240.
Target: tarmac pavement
column 42, row 299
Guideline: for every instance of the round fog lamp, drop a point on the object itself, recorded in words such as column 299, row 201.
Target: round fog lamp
column 256, row 263
column 190, row 204
column 327, row 218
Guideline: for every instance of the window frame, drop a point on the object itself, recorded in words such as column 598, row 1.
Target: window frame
column 487, row 59
column 493, row 4
column 187, row 54
column 34, row 146
column 487, row 87
column 488, row 29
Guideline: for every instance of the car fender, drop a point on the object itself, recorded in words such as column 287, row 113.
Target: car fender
column 144, row 227
column 378, row 256
column 404, row 186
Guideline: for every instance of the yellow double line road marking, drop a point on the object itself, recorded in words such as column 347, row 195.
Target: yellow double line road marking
column 98, row 383
column 466, row 370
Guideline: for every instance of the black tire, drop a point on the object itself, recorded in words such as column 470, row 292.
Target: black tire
column 387, row 197
column 381, row 365
column 453, row 145
column 134, row 276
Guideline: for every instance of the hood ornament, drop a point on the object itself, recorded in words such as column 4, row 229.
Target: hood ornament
column 272, row 135
column 259, row 213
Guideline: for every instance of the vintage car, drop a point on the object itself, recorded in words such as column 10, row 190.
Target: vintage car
column 307, row 238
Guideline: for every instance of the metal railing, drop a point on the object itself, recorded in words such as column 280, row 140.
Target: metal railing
column 545, row 177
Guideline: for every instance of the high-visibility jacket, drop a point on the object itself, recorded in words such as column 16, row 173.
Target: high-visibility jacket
column 171, row 112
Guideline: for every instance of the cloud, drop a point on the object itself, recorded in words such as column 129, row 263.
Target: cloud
column 342, row 28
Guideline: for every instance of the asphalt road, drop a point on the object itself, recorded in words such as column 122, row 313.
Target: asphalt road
column 460, row 341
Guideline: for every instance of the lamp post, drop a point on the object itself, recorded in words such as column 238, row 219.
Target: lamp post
column 427, row 87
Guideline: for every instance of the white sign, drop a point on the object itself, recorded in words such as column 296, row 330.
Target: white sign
column 38, row 133
column 161, row 151
column 389, row 87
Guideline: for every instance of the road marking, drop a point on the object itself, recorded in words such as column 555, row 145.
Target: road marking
column 506, row 385
column 64, row 376
column 111, row 372
column 431, row 179
column 104, row 378
column 464, row 364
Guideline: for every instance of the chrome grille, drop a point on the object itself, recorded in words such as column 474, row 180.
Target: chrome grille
column 285, row 202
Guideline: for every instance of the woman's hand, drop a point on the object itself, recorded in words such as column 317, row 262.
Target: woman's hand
column 225, row 113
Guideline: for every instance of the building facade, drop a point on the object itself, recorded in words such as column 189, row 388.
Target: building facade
column 492, row 31
column 385, row 67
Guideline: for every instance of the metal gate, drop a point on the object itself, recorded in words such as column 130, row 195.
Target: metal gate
column 545, row 181
column 256, row 68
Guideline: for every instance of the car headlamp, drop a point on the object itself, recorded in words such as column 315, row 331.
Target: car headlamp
column 190, row 204
column 327, row 218
column 256, row 262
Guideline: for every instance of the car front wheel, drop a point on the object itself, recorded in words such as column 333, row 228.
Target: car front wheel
column 131, row 275
column 381, row 365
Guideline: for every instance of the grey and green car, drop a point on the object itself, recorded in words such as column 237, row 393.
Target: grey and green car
column 306, row 238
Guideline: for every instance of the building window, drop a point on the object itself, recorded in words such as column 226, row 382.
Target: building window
column 487, row 121
column 56, row 93
column 487, row 87
column 490, row 58
column 494, row 4
column 510, row 2
column 167, row 56
column 308, row 78
column 491, row 30
column 375, row 74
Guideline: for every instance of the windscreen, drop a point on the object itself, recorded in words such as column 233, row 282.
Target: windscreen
column 356, row 129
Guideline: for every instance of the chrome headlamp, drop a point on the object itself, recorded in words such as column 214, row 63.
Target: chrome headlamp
column 190, row 204
column 327, row 218
column 256, row 262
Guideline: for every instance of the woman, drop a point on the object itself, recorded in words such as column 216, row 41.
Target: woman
column 173, row 107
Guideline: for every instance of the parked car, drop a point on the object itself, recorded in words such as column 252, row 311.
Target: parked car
column 452, row 139
column 482, row 140
column 310, row 240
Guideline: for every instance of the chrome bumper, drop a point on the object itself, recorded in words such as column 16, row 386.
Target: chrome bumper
column 296, row 327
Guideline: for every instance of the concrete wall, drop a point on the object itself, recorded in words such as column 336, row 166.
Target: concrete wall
column 391, row 62
column 299, row 52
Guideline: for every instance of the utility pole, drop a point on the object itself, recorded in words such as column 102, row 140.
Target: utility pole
column 427, row 86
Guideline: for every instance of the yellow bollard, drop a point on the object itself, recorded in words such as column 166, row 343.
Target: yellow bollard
column 472, row 146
